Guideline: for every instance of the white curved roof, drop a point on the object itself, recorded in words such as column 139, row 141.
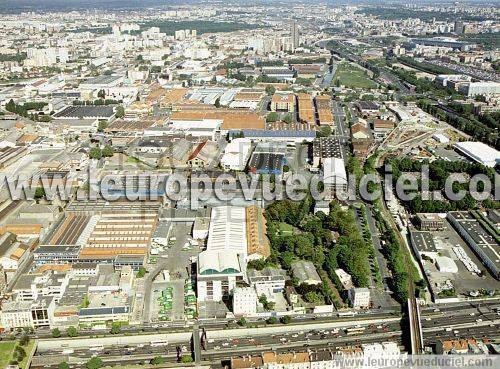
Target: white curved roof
column 228, row 229
column 218, row 262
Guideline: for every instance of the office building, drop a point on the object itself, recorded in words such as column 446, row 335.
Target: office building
column 430, row 221
column 244, row 301
column 267, row 281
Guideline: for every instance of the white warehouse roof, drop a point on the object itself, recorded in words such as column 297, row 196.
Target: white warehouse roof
column 228, row 230
column 197, row 124
column 218, row 262
column 334, row 172
column 236, row 154
column 479, row 152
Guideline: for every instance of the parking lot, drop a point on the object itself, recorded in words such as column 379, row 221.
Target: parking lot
column 174, row 262
column 463, row 281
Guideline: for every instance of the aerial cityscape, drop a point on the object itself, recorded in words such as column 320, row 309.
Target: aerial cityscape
column 246, row 185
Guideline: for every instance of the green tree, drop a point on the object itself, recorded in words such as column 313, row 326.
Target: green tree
column 23, row 341
column 217, row 102
column 19, row 353
column 63, row 365
column 272, row 320
column 287, row 118
column 72, row 332
column 120, row 111
column 39, row 193
column 56, row 333
column 242, row 322
column 101, row 94
column 286, row 319
column 102, row 125
column 270, row 90
column 313, row 297
column 272, row 117
column 157, row 360
column 95, row 153
column 186, row 359
column 324, row 131
column 108, row 151
column 11, row 106
column 94, row 363
column 141, row 272
column 116, row 328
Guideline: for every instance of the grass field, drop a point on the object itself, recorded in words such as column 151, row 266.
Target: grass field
column 285, row 229
column 352, row 77
column 6, row 350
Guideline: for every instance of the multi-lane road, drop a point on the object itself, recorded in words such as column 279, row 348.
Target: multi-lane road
column 468, row 320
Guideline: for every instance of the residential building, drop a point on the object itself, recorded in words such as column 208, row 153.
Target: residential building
column 359, row 298
column 283, row 102
column 291, row 360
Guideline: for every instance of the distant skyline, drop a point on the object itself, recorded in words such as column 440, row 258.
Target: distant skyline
column 16, row 6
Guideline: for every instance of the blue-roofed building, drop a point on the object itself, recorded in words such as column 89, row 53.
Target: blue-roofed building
column 268, row 158
column 266, row 163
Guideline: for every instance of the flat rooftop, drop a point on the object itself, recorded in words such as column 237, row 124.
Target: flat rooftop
column 266, row 161
column 478, row 232
column 86, row 112
column 423, row 241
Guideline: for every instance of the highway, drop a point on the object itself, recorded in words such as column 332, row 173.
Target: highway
column 455, row 321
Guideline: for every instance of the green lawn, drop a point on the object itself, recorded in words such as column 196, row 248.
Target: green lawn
column 7, row 348
column 286, row 229
column 352, row 77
